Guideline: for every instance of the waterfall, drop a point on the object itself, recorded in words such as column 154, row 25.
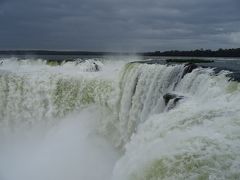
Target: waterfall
column 155, row 121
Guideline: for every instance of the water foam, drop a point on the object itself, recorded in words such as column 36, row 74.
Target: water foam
column 199, row 139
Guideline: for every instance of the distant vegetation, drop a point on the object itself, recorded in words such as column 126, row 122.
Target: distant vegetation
column 189, row 61
column 193, row 53
column 198, row 53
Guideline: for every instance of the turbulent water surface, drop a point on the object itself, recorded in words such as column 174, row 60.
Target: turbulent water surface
column 106, row 119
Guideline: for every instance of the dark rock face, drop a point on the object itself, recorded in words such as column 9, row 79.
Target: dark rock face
column 167, row 97
column 171, row 100
column 189, row 68
column 96, row 67
column 234, row 76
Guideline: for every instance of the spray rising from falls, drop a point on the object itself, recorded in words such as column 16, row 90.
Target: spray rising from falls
column 165, row 121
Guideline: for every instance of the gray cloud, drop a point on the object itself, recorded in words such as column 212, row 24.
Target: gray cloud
column 120, row 25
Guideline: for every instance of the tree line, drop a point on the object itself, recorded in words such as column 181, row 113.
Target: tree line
column 193, row 53
column 198, row 53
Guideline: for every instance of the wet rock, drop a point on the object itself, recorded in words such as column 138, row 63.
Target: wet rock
column 234, row 76
column 171, row 100
column 96, row 67
column 189, row 67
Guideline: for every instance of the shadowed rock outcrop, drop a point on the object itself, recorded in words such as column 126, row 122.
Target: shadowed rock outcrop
column 189, row 67
column 234, row 76
column 171, row 100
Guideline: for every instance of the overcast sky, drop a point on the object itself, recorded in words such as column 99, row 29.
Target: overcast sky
column 119, row 25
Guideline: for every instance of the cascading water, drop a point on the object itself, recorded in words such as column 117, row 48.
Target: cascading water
column 103, row 120
column 28, row 98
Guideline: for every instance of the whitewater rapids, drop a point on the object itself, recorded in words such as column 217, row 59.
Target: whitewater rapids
column 73, row 121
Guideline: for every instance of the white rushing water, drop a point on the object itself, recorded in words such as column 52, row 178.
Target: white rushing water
column 106, row 119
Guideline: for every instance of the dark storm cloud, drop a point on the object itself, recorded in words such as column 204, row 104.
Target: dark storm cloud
column 119, row 24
